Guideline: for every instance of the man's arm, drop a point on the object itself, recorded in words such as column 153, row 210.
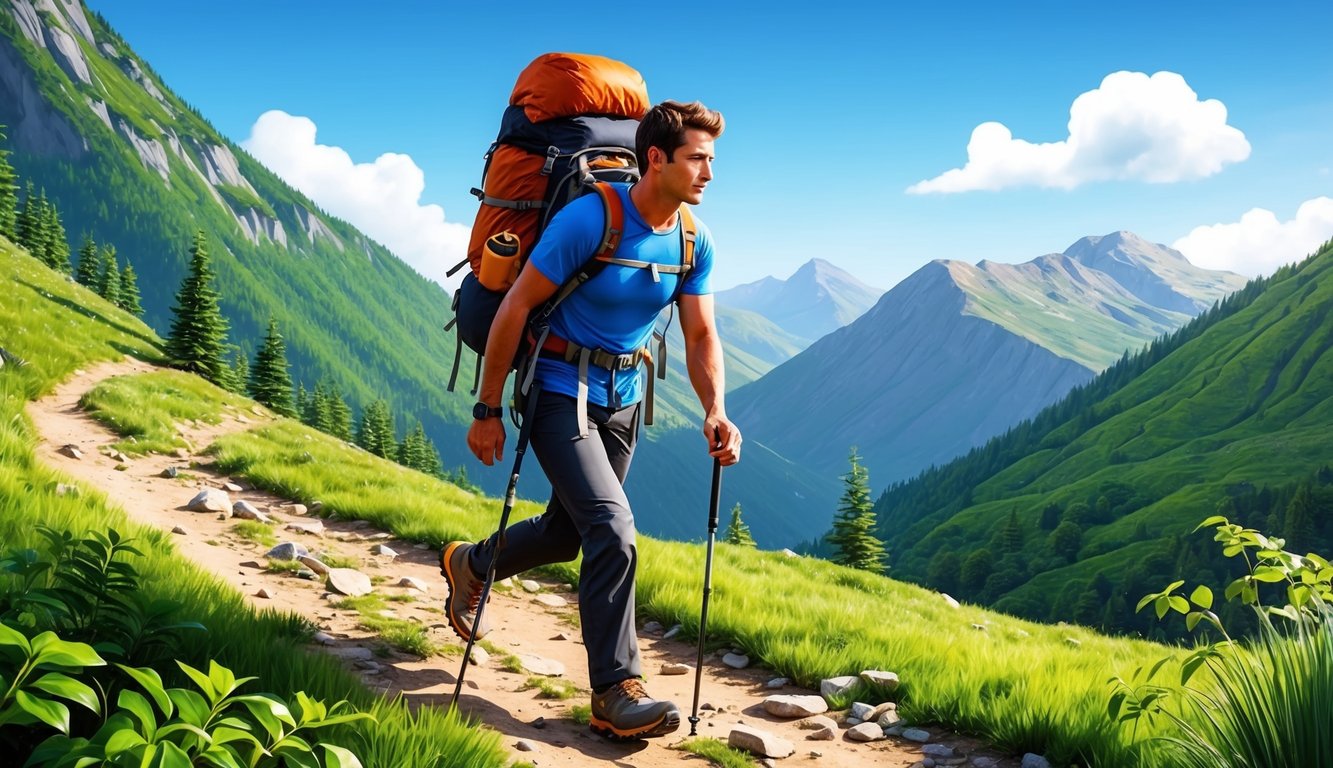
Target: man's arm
column 703, row 358
column 486, row 437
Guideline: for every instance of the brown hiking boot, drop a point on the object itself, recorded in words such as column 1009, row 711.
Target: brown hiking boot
column 464, row 591
column 624, row 712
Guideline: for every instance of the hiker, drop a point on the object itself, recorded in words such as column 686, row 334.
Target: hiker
column 586, row 457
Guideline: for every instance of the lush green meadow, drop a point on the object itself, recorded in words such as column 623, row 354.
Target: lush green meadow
column 54, row 327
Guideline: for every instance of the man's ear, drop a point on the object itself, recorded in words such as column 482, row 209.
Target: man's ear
column 657, row 158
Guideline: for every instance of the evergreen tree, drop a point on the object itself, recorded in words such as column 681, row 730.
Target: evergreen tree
column 852, row 539
column 976, row 569
column 129, row 291
column 238, row 373
column 417, row 452
column 317, row 403
column 1050, row 516
column 90, row 264
column 1066, row 540
column 1011, row 535
column 375, row 432
column 9, row 201
column 270, row 381
column 737, row 531
column 198, row 331
column 943, row 571
column 39, row 235
column 302, row 402
column 108, row 282
column 26, row 221
column 56, row 254
column 340, row 416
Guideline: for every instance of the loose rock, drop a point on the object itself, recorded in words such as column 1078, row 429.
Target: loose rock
column 777, row 682
column 523, row 745
column 180, row 531
column 540, row 666
column 312, row 527
column 937, row 751
column 670, row 633
column 837, row 685
column 862, row 712
column 380, row 549
column 1031, row 760
column 653, row 627
column 736, row 660
column 247, row 511
column 314, row 564
column 795, row 706
column 170, row 473
column 552, row 601
column 210, row 500
column 288, row 550
column 479, row 657
column 759, row 742
column 412, row 582
column 676, row 669
column 348, row 581
column 885, row 680
column 323, row 638
column 71, row 451
column 916, row 734
column 232, row 487
column 865, row 732
column 529, row 585
column 265, row 593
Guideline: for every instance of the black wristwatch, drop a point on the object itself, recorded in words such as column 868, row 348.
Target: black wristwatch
column 483, row 411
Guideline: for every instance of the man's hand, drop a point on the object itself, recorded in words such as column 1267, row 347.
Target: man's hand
column 724, row 439
column 486, row 440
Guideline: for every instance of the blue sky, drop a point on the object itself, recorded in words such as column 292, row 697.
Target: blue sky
column 834, row 112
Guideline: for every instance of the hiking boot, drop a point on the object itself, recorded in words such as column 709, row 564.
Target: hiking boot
column 464, row 591
column 624, row 712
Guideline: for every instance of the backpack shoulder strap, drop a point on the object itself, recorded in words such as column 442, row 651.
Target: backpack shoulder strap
column 612, row 230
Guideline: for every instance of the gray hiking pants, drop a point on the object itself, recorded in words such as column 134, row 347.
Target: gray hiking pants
column 589, row 511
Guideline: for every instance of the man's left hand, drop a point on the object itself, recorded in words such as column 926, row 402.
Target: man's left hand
column 724, row 439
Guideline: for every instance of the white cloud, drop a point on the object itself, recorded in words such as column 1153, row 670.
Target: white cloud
column 1259, row 243
column 382, row 199
column 1133, row 127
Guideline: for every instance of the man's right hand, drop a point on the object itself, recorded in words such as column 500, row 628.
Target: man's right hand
column 486, row 439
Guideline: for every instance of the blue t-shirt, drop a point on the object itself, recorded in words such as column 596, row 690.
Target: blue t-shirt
column 615, row 311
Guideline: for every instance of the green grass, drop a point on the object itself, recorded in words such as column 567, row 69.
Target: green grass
column 511, row 663
column 59, row 327
column 403, row 635
column 284, row 566
column 581, row 714
column 148, row 407
column 717, row 753
column 260, row 533
column 556, row 688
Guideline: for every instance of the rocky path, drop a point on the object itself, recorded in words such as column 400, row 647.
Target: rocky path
column 540, row 628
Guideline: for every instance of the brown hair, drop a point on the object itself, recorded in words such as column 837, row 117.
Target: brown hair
column 664, row 127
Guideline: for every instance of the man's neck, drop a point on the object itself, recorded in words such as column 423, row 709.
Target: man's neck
column 656, row 209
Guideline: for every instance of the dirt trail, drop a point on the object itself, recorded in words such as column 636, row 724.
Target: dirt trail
column 522, row 624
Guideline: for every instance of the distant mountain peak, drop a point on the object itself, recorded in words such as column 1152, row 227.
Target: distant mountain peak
column 817, row 299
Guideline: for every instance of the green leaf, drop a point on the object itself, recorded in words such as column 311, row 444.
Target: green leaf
column 150, row 681
column 269, row 710
column 1190, row 666
column 1145, row 601
column 300, row 759
column 1179, row 604
column 49, row 649
column 225, row 735
column 171, row 756
column 339, row 757
column 52, row 713
column 1192, row 620
column 1202, row 596
column 201, row 680
column 179, row 727
column 66, row 687
column 1210, row 522
column 220, row 757
column 1113, row 705
column 1234, row 588
column 138, row 706
column 1161, row 605
column 190, row 706
column 13, row 637
column 1269, row 574
column 125, row 740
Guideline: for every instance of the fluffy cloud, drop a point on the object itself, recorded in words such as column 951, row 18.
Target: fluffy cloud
column 1133, row 127
column 1259, row 243
column 382, row 199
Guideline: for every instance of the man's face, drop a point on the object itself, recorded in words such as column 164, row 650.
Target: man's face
column 691, row 167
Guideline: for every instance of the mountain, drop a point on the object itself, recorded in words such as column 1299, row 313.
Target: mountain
column 816, row 300
column 957, row 353
column 128, row 162
column 1082, row 510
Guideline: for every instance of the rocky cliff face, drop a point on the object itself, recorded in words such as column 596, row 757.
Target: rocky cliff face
column 957, row 353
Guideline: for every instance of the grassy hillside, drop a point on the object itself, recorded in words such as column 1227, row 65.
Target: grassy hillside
column 1234, row 413
column 51, row 327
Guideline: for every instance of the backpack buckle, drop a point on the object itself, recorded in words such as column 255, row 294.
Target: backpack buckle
column 552, row 153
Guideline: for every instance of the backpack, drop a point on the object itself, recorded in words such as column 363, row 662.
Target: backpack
column 568, row 131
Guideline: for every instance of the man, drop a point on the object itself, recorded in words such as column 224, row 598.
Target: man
column 587, row 459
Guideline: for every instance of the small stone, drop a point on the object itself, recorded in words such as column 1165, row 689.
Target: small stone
column 479, row 657
column 316, row 507
column 298, row 509
column 653, row 627
column 539, row 723
column 523, row 745
column 265, row 593
column 777, row 682
column 850, row 721
column 314, row 564
column 251, row 564
column 231, row 487
column 381, row 549
column 980, row 627
column 552, row 601
column 72, row 451
column 676, row 669
column 863, row 712
column 795, row 706
column 373, row 667
column 789, row 553
column 919, row 735
column 540, row 666
column 354, row 653
column 707, row 707
column 307, row 574
column 888, row 720
column 210, row 500
column 247, row 511
column 561, row 637
column 381, row 536
column 1073, row 642
column 170, row 473
column 885, row 680
column 835, row 686
column 815, row 722
column 180, row 531
column 412, row 582
column 288, row 550
column 894, row 731
column 981, row 761
column 1031, row 760
column 937, row 751
column 120, row 456
column 865, row 732
column 348, row 581
column 323, row 638
column 736, row 660
column 670, row 633
column 312, row 527
column 759, row 742
column 529, row 585
column 952, row 603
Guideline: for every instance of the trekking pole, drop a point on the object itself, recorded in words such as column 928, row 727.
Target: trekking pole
column 708, row 584
column 524, row 432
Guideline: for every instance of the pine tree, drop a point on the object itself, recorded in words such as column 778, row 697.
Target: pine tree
column 57, row 243
column 25, row 221
column 39, row 233
column 853, row 542
column 129, row 291
column 1011, row 535
column 270, row 381
column 90, row 264
column 317, row 403
column 737, row 531
column 198, row 330
column 108, row 282
column 302, row 402
column 236, row 376
column 9, row 201
column 375, row 433
column 340, row 416
column 417, row 452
